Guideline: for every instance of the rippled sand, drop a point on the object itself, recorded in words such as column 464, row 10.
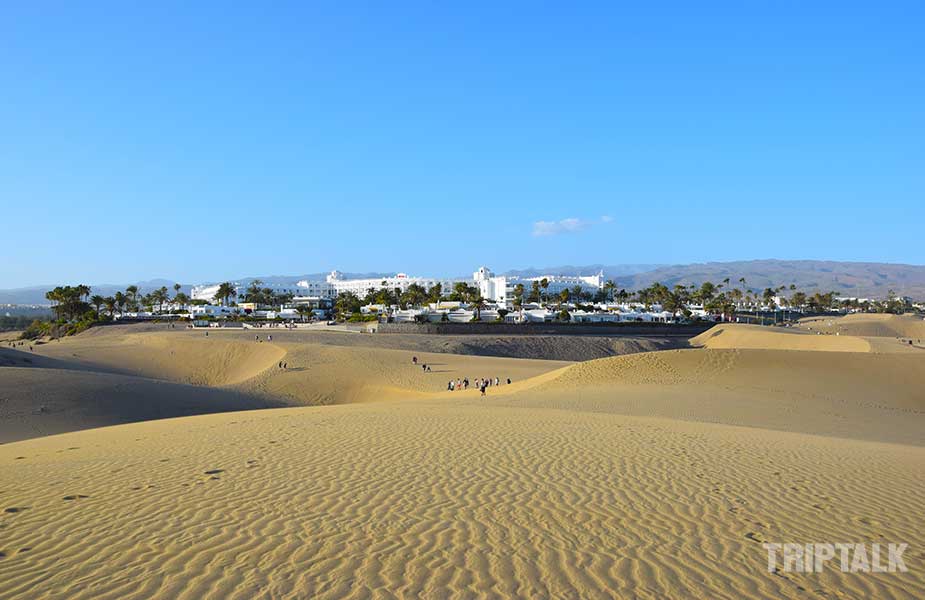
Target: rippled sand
column 654, row 475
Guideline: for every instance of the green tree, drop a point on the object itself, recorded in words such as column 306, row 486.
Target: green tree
column 110, row 304
column 131, row 297
column 304, row 310
column 414, row 295
column 435, row 293
column 564, row 296
column 519, row 295
column 225, row 292
column 120, row 300
column 97, row 301
column 346, row 304
column 478, row 304
column 534, row 292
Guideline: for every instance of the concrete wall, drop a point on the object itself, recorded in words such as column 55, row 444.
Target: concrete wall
column 627, row 329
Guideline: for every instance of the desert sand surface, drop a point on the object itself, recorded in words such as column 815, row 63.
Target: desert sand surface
column 114, row 375
column 651, row 475
column 871, row 325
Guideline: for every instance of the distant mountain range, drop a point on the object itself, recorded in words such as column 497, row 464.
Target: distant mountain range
column 850, row 279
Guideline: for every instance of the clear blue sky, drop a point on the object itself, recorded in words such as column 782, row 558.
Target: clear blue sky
column 211, row 141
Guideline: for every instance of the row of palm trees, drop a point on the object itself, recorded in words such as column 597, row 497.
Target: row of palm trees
column 73, row 302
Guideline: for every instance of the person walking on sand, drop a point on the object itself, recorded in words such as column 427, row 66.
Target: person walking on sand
column 483, row 389
column 449, row 386
column 414, row 360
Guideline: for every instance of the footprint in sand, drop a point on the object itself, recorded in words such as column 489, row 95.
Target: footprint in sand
column 15, row 509
column 75, row 497
column 215, row 471
column 755, row 536
column 866, row 521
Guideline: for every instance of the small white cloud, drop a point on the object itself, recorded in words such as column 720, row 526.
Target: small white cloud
column 569, row 225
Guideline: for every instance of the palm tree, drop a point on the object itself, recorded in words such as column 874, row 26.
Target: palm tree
column 563, row 297
column 132, row 296
column 534, row 292
column 225, row 291
column 119, row 298
column 435, row 293
column 110, row 304
column 478, row 303
column 97, row 301
column 544, row 283
column 303, row 310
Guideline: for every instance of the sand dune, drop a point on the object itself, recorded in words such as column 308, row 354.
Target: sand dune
column 653, row 475
column 870, row 325
column 756, row 337
column 862, row 396
column 438, row 499
column 225, row 371
column 45, row 401
column 196, row 360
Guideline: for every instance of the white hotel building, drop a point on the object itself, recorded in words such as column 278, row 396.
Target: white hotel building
column 501, row 288
column 493, row 288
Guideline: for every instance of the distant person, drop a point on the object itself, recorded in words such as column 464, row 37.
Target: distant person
column 414, row 360
column 509, row 381
column 449, row 386
column 483, row 389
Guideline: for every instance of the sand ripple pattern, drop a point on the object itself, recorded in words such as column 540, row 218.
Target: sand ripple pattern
column 432, row 499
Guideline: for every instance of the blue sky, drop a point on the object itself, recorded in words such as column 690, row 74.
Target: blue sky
column 212, row 141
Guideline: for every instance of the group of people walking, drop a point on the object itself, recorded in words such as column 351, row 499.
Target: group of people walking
column 463, row 383
column 480, row 384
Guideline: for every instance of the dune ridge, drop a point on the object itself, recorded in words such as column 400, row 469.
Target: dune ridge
column 650, row 475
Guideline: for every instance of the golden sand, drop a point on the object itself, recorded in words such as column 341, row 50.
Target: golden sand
column 650, row 476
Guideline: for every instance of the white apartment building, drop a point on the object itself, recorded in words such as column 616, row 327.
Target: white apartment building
column 493, row 288
column 207, row 291
column 361, row 287
column 500, row 288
